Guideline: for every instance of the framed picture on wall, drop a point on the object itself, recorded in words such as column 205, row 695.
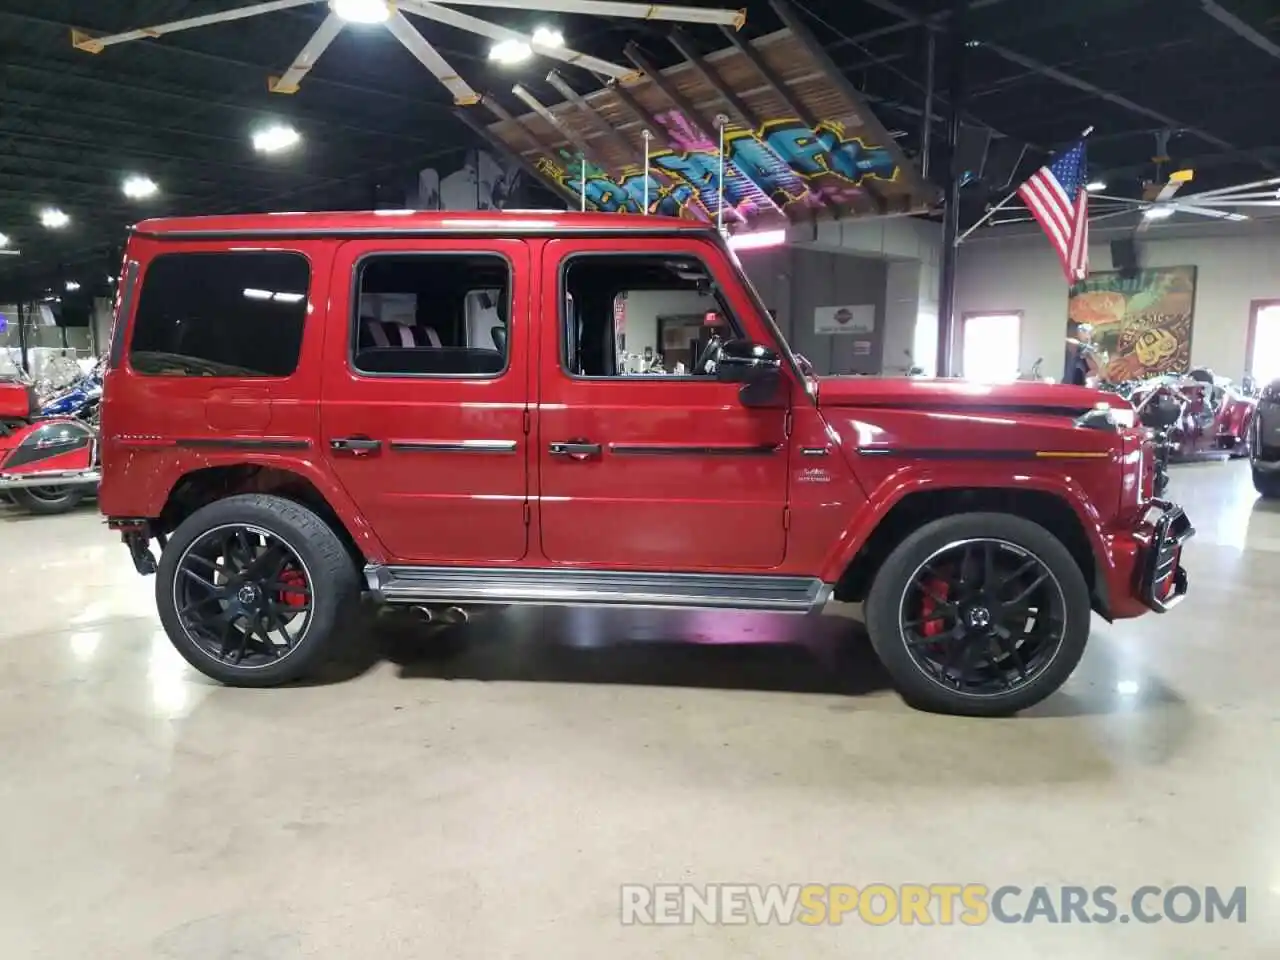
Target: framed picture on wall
column 1143, row 321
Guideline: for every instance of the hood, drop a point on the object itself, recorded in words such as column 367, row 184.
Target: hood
column 1022, row 396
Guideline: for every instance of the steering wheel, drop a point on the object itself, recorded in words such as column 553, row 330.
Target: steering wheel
column 710, row 357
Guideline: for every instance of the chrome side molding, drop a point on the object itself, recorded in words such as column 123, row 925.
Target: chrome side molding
column 454, row 446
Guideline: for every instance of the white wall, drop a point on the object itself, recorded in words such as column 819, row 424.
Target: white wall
column 1018, row 271
column 794, row 280
column 644, row 307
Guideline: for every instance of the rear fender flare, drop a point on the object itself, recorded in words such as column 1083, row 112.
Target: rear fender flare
column 307, row 469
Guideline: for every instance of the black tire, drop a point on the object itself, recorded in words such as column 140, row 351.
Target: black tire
column 888, row 595
column 47, row 501
column 333, row 577
column 1267, row 483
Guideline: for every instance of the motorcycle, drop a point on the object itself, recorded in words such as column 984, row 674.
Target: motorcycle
column 1202, row 416
column 49, row 450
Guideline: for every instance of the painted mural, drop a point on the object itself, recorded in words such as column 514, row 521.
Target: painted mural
column 1142, row 321
column 782, row 164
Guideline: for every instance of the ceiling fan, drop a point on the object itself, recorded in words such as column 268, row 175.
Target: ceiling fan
column 510, row 46
column 1160, row 203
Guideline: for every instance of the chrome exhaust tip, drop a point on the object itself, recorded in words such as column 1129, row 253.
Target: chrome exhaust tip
column 425, row 613
column 455, row 615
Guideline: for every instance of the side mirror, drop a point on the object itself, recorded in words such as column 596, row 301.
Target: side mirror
column 742, row 361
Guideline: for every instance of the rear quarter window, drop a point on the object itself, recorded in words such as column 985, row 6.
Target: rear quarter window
column 235, row 314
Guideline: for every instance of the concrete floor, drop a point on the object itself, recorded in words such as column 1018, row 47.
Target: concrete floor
column 483, row 794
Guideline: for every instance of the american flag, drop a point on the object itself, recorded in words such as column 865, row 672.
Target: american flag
column 1057, row 198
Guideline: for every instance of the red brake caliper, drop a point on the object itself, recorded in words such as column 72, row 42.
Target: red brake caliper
column 928, row 606
column 293, row 577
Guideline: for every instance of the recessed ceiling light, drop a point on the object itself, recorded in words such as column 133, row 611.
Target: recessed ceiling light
column 53, row 218
column 275, row 138
column 361, row 11
column 1158, row 213
column 72, row 286
column 547, row 37
column 139, row 188
column 510, row 51
column 1096, row 185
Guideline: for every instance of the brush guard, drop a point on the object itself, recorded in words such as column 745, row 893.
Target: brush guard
column 1164, row 579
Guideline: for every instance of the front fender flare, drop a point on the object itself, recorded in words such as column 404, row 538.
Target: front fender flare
column 919, row 478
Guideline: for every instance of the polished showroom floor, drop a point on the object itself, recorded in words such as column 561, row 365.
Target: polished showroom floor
column 483, row 793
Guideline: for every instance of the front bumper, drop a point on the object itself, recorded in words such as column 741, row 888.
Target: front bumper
column 1162, row 582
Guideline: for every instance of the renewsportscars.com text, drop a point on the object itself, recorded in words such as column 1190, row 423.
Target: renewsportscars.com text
column 969, row 904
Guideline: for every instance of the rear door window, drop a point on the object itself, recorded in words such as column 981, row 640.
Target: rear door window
column 234, row 314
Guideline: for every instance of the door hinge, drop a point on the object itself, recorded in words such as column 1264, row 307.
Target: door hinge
column 528, row 513
column 787, row 423
column 528, row 421
column 786, row 518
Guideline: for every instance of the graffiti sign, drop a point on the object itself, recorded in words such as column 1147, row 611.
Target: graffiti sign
column 781, row 164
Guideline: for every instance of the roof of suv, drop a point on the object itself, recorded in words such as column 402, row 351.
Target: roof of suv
column 384, row 222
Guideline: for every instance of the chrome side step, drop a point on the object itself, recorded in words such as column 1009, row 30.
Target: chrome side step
column 512, row 585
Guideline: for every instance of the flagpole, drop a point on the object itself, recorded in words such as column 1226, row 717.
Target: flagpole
column 986, row 216
column 1003, row 203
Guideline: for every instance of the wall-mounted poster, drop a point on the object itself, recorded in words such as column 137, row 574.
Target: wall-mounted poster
column 859, row 319
column 1143, row 320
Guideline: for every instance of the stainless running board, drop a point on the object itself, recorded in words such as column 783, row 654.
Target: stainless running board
column 478, row 585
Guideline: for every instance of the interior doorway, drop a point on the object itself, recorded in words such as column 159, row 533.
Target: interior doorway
column 1262, row 353
column 992, row 347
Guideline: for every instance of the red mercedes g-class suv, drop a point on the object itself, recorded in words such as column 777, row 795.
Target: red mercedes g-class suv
column 454, row 410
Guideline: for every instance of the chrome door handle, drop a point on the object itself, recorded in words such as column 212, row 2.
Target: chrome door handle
column 575, row 449
column 357, row 446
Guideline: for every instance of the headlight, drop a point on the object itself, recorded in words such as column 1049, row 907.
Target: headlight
column 1271, row 393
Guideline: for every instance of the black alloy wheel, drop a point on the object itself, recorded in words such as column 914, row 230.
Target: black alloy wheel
column 979, row 614
column 254, row 590
column 243, row 596
column 983, row 617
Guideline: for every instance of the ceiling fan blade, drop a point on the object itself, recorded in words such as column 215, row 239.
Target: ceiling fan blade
column 431, row 58
column 325, row 34
column 1172, row 186
column 462, row 21
column 1209, row 212
column 82, row 41
column 1242, row 188
column 609, row 8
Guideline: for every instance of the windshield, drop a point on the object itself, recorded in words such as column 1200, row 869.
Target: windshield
column 783, row 346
